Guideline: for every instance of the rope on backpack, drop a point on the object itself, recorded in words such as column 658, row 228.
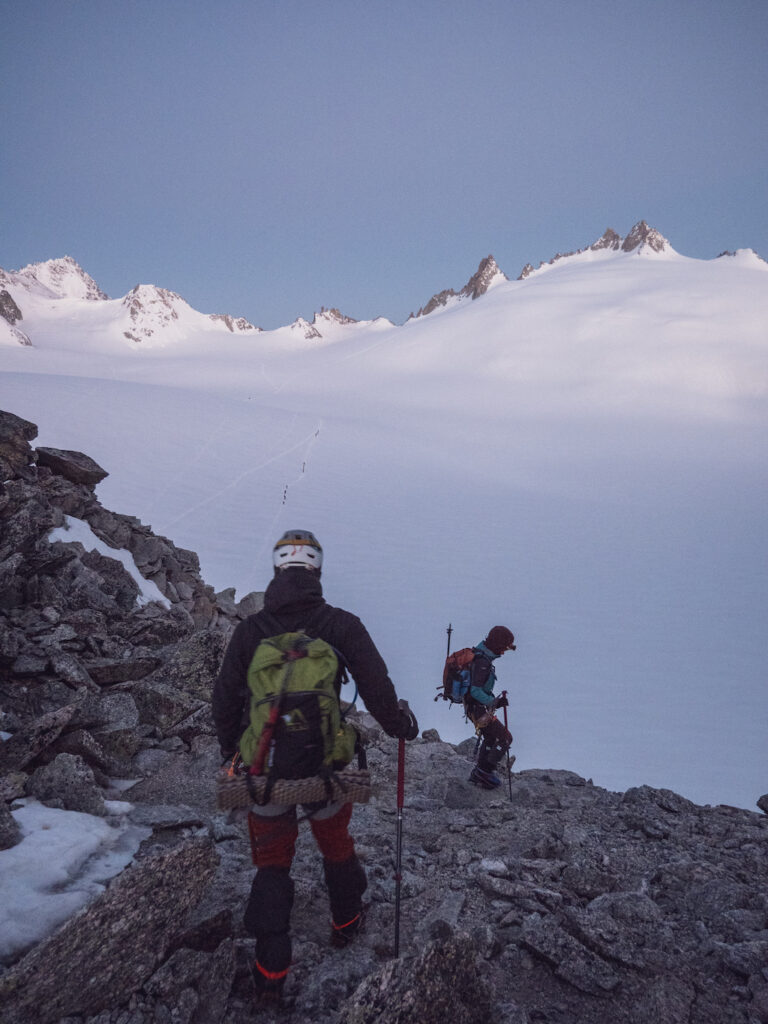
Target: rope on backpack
column 348, row 785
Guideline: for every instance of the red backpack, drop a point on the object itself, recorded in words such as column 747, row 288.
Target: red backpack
column 457, row 675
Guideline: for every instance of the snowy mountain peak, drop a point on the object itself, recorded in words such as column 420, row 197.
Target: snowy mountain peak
column 487, row 276
column 324, row 321
column 150, row 309
column 641, row 235
column 331, row 316
column 235, row 324
column 745, row 257
column 64, row 278
column 608, row 240
column 307, row 329
column 640, row 239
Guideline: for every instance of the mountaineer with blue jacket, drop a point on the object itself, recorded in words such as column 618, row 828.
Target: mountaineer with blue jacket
column 480, row 705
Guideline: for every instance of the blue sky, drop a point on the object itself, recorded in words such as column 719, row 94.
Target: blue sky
column 267, row 158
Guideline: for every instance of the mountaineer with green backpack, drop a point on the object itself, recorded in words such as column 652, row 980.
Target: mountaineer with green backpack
column 276, row 706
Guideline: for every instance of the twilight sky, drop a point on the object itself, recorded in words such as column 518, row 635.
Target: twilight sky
column 267, row 157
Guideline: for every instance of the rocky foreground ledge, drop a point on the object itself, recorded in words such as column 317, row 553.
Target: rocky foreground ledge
column 557, row 901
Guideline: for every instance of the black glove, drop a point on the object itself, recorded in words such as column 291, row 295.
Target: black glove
column 226, row 755
column 407, row 727
column 501, row 702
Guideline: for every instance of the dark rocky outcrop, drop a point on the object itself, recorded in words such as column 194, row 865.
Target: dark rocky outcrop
column 73, row 466
column 550, row 900
column 15, row 451
column 8, row 309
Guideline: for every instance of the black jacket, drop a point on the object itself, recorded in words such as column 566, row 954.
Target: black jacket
column 295, row 598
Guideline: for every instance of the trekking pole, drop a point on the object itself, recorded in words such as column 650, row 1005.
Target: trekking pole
column 449, row 631
column 399, row 854
column 509, row 766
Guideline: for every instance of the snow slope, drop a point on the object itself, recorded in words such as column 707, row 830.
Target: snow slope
column 580, row 455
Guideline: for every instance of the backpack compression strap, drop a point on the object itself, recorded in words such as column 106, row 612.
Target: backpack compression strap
column 265, row 741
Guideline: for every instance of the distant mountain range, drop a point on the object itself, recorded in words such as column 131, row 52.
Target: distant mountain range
column 34, row 298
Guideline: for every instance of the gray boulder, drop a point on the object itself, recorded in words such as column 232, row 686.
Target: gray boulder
column 444, row 983
column 104, row 954
column 73, row 466
column 15, row 450
column 26, row 744
column 69, row 783
column 10, row 833
column 194, row 664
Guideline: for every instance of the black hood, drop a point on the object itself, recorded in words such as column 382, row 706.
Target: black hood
column 293, row 591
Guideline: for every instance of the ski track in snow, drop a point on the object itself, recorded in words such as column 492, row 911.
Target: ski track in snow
column 217, row 495
column 270, row 535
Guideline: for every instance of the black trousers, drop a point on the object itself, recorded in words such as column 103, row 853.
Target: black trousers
column 495, row 739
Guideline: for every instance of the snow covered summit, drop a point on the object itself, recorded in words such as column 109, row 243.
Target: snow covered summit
column 59, row 278
column 61, row 306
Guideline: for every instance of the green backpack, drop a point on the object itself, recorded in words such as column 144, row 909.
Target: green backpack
column 297, row 728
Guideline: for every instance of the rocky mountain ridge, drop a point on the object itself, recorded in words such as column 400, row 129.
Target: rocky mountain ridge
column 550, row 900
column 486, row 276
column 641, row 238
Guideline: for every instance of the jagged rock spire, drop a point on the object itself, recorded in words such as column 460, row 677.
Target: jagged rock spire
column 609, row 240
column 641, row 235
column 487, row 272
column 482, row 279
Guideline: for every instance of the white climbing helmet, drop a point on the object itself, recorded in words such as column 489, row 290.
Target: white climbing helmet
column 298, row 547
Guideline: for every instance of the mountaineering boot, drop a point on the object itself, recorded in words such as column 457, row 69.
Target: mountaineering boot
column 267, row 918
column 343, row 934
column 268, row 990
column 488, row 780
column 346, row 883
